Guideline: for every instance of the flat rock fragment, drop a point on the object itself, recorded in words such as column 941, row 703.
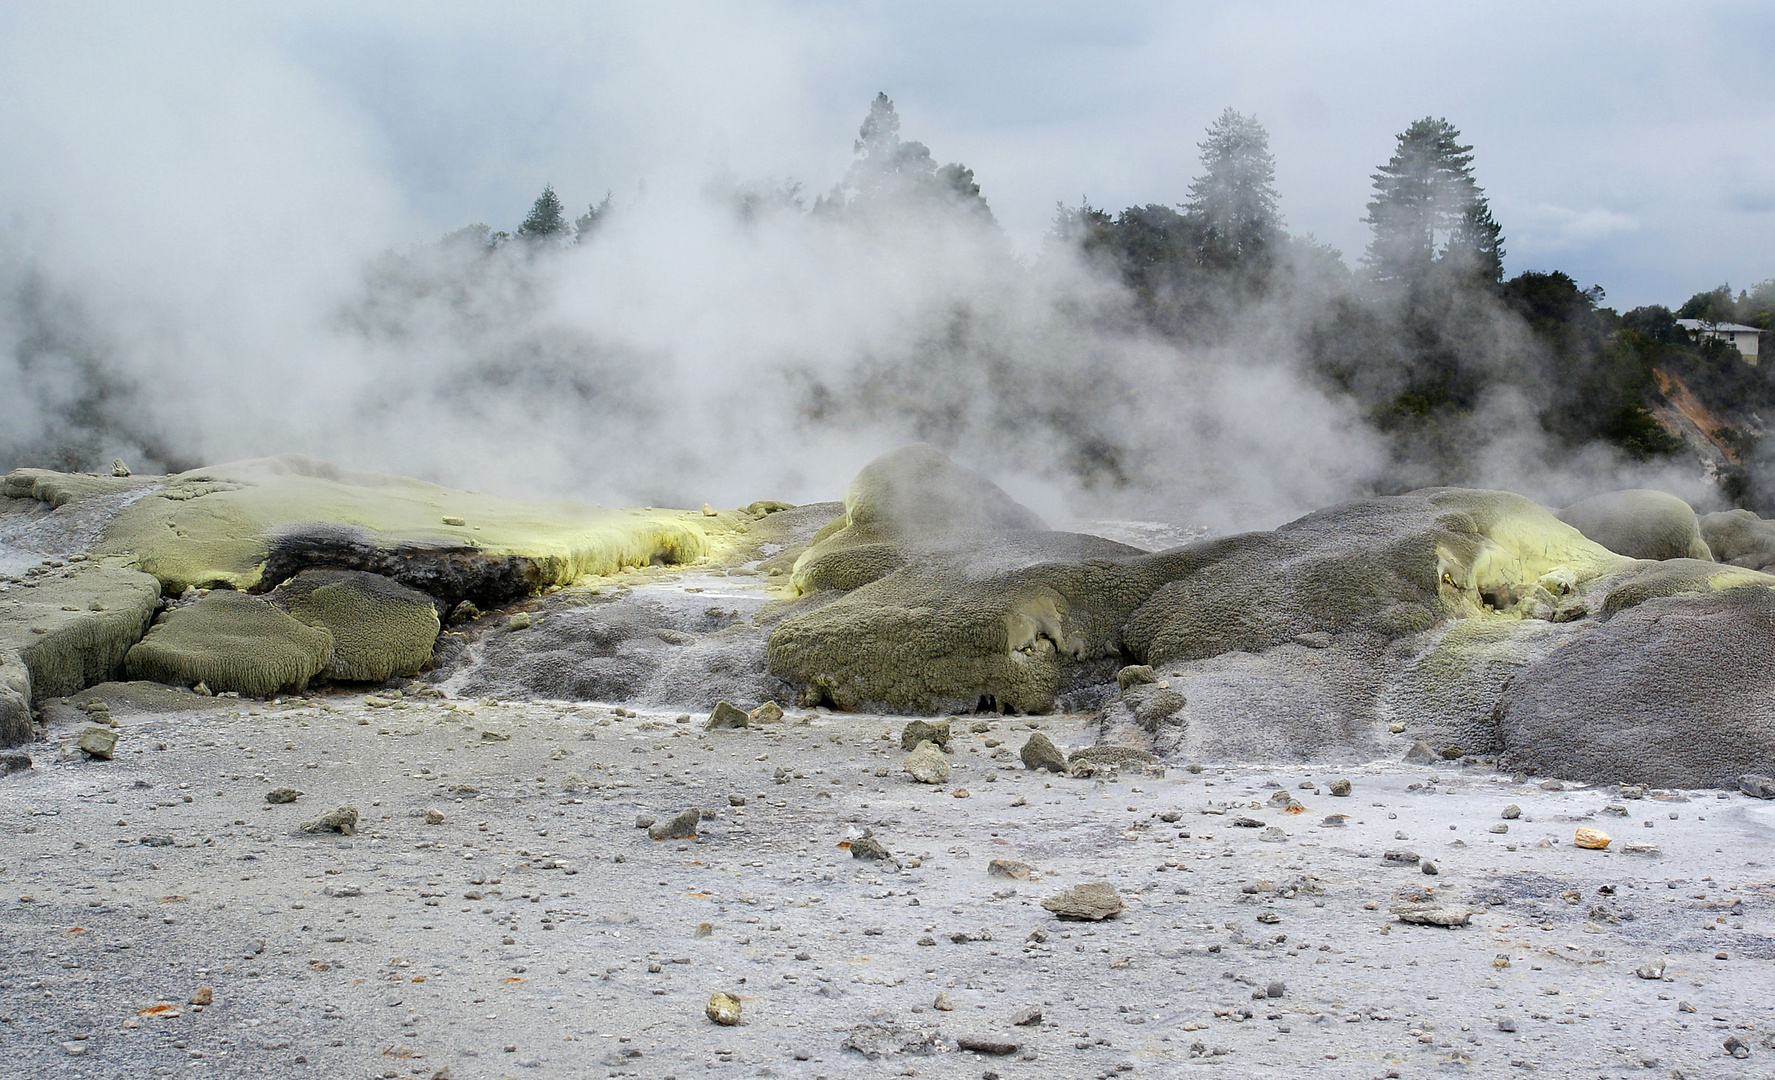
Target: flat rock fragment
column 1091, row 901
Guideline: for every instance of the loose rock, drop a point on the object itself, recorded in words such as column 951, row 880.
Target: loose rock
column 868, row 847
column 279, row 796
column 97, row 742
column 927, row 765
column 1041, row 753
column 917, row 731
column 983, row 1045
column 1432, row 915
column 1340, row 788
column 1757, row 787
column 13, row 761
column 342, row 820
column 1092, row 901
column 1594, row 839
column 1134, row 675
column 1010, row 868
column 768, row 713
column 681, row 827
column 726, row 715
column 723, row 1008
column 1511, row 812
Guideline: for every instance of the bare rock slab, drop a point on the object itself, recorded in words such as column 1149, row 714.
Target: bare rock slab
column 1092, row 901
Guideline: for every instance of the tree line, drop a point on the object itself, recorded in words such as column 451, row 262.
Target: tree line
column 1420, row 335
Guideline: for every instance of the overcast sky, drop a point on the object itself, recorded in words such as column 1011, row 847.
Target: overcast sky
column 1632, row 145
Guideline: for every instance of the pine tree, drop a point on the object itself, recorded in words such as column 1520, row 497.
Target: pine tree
column 1427, row 210
column 547, row 219
column 1232, row 205
column 889, row 170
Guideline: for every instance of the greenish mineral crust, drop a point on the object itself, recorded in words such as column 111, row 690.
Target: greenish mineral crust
column 379, row 628
column 230, row 641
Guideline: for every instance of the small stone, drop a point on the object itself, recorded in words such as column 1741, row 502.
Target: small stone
column 1396, row 728
column 983, row 1045
column 1736, row 1047
column 917, row 731
column 456, row 521
column 97, row 742
column 14, row 761
column 1507, row 1025
column 1041, row 753
column 1452, row 753
column 736, row 800
column 204, row 996
column 1500, row 828
column 726, row 715
column 1135, row 675
column 1652, row 970
column 643, row 821
column 1684, row 1007
column 1028, row 1016
column 868, row 847
column 1422, row 754
column 768, row 713
column 703, row 930
column 1429, row 867
column 1594, row 839
column 1335, row 821
column 1340, row 788
column 464, row 612
column 1009, row 868
column 1432, row 915
column 681, row 827
column 1757, row 787
column 927, row 765
column 118, row 468
column 1273, row 835
column 1511, row 812
column 1401, row 856
column 943, row 1003
column 1552, row 785
column 1089, row 902
column 74, row 1049
column 520, row 620
column 434, row 816
column 282, row 795
column 723, row 1008
column 156, row 841
column 342, row 820
column 1276, row 988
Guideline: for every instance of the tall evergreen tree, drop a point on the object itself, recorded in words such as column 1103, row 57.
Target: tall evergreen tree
column 889, row 170
column 547, row 220
column 1428, row 210
column 1232, row 205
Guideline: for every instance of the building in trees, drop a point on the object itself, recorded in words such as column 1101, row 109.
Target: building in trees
column 1739, row 336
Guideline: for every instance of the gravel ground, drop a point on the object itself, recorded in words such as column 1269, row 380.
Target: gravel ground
column 536, row 932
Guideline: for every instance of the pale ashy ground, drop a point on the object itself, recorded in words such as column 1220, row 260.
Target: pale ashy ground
column 519, row 937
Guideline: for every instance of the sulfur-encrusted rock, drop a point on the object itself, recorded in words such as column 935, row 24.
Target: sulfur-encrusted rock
column 723, row 1008
column 1092, row 901
column 380, row 628
column 231, row 641
column 927, row 764
column 768, row 713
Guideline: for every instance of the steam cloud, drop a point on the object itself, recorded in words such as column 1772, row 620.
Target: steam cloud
column 175, row 292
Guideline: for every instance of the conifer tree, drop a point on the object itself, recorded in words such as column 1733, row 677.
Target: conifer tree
column 1428, row 210
column 1232, row 205
column 547, row 219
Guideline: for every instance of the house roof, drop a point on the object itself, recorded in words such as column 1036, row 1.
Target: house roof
column 1724, row 327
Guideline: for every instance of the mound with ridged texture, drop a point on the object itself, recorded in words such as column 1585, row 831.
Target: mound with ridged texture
column 66, row 630
column 955, row 629
column 1677, row 691
column 1641, row 524
column 911, row 496
column 380, row 628
column 231, row 641
column 253, row 524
